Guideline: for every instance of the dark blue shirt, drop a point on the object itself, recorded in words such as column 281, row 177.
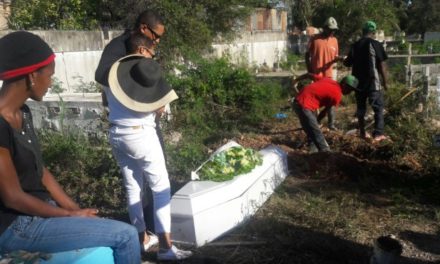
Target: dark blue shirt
column 366, row 56
column 116, row 49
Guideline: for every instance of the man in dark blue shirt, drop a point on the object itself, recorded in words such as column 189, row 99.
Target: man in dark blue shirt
column 367, row 58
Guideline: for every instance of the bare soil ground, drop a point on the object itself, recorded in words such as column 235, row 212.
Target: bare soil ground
column 333, row 206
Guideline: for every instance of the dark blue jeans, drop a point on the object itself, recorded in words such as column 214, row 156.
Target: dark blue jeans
column 375, row 99
column 56, row 234
column 310, row 125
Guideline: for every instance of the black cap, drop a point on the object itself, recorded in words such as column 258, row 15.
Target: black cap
column 21, row 53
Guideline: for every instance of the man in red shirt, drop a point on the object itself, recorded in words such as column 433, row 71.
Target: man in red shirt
column 323, row 92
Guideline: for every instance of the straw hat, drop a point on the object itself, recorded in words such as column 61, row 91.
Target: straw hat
column 138, row 84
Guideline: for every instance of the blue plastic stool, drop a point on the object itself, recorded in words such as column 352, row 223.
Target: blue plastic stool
column 101, row 255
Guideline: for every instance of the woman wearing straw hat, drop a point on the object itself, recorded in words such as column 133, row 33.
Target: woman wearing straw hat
column 137, row 91
column 35, row 212
column 149, row 24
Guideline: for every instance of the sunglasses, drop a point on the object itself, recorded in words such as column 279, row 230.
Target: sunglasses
column 155, row 35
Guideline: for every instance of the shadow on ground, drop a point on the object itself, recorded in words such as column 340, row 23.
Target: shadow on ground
column 284, row 243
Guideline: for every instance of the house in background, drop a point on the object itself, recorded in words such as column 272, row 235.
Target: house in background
column 262, row 40
column 5, row 12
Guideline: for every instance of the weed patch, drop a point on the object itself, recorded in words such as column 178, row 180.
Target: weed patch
column 86, row 169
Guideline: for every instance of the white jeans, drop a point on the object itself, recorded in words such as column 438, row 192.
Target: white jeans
column 140, row 157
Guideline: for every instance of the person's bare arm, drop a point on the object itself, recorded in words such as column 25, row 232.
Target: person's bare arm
column 13, row 196
column 160, row 112
column 295, row 81
column 383, row 74
column 57, row 192
column 348, row 60
column 323, row 114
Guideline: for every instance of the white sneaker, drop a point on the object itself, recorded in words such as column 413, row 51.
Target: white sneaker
column 173, row 254
column 154, row 240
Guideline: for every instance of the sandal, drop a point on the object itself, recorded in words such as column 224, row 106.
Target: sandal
column 380, row 138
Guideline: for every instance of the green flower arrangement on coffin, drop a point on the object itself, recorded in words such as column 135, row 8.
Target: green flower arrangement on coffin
column 227, row 164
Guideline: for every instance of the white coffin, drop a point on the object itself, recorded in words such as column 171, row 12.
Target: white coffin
column 202, row 211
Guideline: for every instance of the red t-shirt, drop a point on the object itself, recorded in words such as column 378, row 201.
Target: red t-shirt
column 322, row 92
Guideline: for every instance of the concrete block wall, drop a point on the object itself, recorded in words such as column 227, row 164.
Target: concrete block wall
column 432, row 36
column 74, row 113
column 78, row 54
column 255, row 48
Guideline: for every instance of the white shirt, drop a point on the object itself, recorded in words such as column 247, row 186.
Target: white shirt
column 122, row 116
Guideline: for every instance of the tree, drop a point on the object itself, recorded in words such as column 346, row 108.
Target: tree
column 303, row 12
column 53, row 14
column 402, row 12
column 353, row 14
column 423, row 16
column 350, row 14
column 191, row 25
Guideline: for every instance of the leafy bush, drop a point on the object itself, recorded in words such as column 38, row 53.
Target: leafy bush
column 217, row 99
column 216, row 94
column 427, row 47
column 57, row 86
column 185, row 157
column 291, row 61
column 411, row 129
column 86, row 87
column 397, row 70
column 85, row 168
column 45, row 14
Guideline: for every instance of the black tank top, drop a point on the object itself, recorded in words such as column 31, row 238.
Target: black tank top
column 25, row 152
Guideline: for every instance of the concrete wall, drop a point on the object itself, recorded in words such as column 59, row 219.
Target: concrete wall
column 77, row 55
column 78, row 52
column 255, row 48
column 79, row 113
column 432, row 36
column 434, row 69
column 73, row 40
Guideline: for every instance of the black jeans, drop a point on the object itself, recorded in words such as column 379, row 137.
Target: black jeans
column 375, row 99
column 310, row 125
